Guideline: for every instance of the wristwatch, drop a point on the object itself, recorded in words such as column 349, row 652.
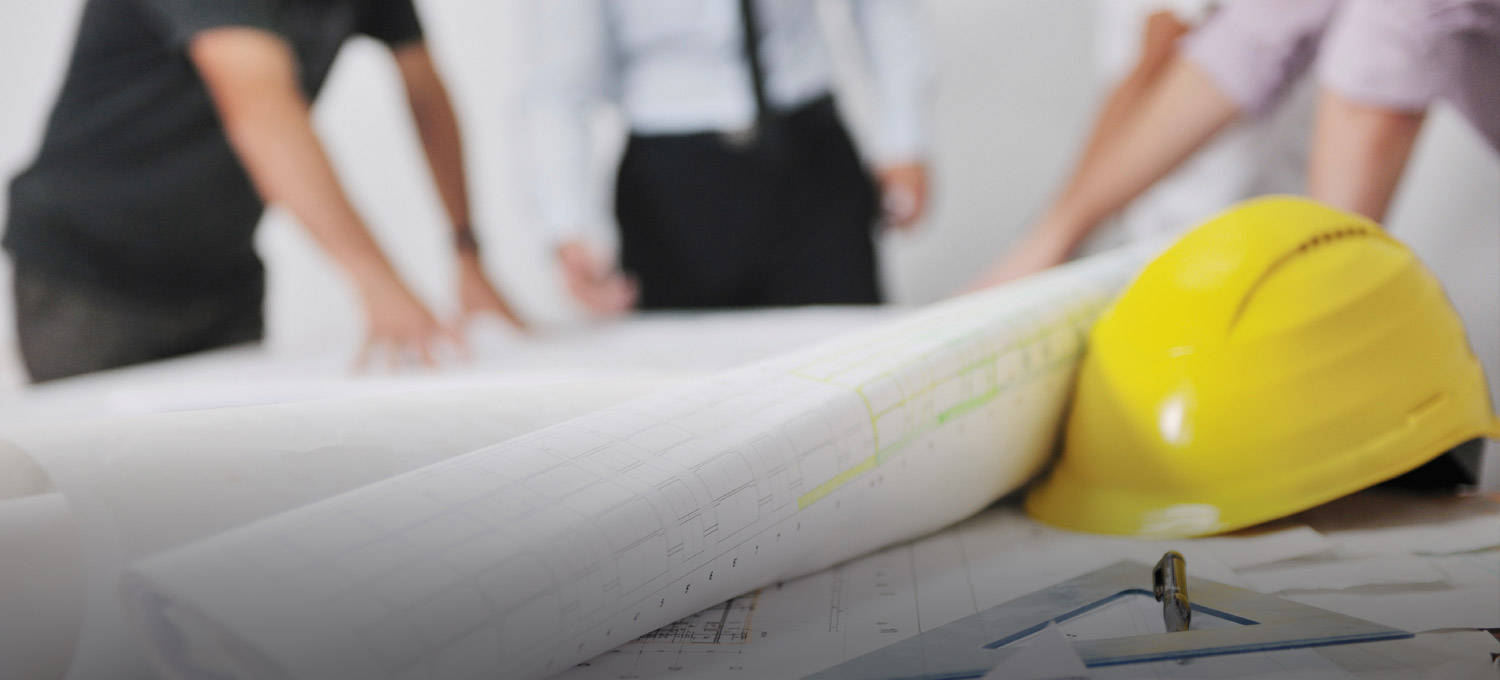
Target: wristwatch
column 464, row 241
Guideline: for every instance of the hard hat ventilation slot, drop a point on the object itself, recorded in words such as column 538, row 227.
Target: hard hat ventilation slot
column 1326, row 238
column 1329, row 237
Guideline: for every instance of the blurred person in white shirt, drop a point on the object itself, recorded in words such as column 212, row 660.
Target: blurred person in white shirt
column 740, row 185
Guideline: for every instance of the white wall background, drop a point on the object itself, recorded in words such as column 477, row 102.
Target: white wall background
column 1016, row 91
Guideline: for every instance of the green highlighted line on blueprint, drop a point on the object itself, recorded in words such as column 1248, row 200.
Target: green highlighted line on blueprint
column 884, row 453
column 968, row 406
column 829, row 486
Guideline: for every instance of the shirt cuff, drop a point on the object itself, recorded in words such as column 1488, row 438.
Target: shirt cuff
column 1254, row 50
column 560, row 230
column 902, row 135
column 1190, row 12
column 1385, row 54
column 564, row 219
column 185, row 19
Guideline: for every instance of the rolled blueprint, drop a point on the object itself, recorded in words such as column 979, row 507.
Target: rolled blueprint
column 521, row 559
column 41, row 599
column 131, row 487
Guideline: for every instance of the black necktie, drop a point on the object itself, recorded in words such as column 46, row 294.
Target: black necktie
column 750, row 26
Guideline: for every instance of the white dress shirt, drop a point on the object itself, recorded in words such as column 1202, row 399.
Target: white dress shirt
column 679, row 67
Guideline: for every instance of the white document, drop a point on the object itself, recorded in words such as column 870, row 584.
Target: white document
column 1448, row 655
column 134, row 487
column 1343, row 574
column 1380, row 521
column 800, row 627
column 647, row 345
column 1267, row 544
column 522, row 559
column 1470, row 570
column 1413, row 609
column 41, row 597
column 1048, row 655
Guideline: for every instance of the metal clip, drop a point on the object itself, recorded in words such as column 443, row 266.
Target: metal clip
column 1169, row 585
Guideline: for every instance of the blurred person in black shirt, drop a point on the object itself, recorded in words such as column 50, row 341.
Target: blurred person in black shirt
column 177, row 123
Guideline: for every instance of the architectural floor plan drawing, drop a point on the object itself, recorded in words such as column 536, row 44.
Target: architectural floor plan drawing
column 724, row 624
column 808, row 625
column 713, row 638
column 796, row 625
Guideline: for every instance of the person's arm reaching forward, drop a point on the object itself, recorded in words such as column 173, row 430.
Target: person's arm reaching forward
column 1384, row 65
column 1177, row 117
column 432, row 110
column 1359, row 153
column 1158, row 49
column 252, row 76
column 1240, row 62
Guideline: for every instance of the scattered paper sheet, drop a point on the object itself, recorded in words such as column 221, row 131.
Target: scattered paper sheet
column 41, row 586
column 646, row 345
column 807, row 625
column 1265, row 545
column 1447, row 655
column 1415, row 609
column 20, row 476
column 1380, row 521
column 1470, row 570
column 1046, row 656
column 1342, row 574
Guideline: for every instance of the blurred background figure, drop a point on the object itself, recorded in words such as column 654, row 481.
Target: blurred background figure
column 131, row 231
column 1382, row 64
column 1020, row 89
column 739, row 185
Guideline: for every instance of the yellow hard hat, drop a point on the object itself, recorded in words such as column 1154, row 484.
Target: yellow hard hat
column 1277, row 357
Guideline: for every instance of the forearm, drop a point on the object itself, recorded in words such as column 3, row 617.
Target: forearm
column 437, row 126
column 1359, row 154
column 1158, row 47
column 251, row 76
column 289, row 167
column 1176, row 118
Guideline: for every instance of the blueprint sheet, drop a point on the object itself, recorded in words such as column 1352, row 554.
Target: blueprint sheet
column 158, row 455
column 131, row 487
column 797, row 628
column 647, row 345
column 521, row 559
column 800, row 627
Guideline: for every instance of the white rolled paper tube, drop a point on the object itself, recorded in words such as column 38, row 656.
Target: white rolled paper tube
column 521, row 559
column 140, row 485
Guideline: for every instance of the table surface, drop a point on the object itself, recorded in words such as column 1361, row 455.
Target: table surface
column 642, row 346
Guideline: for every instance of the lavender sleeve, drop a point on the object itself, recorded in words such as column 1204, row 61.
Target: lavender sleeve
column 1255, row 49
column 1406, row 54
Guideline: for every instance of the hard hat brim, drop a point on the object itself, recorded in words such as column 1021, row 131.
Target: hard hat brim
column 1067, row 500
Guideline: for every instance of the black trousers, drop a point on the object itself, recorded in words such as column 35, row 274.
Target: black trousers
column 709, row 221
column 69, row 327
